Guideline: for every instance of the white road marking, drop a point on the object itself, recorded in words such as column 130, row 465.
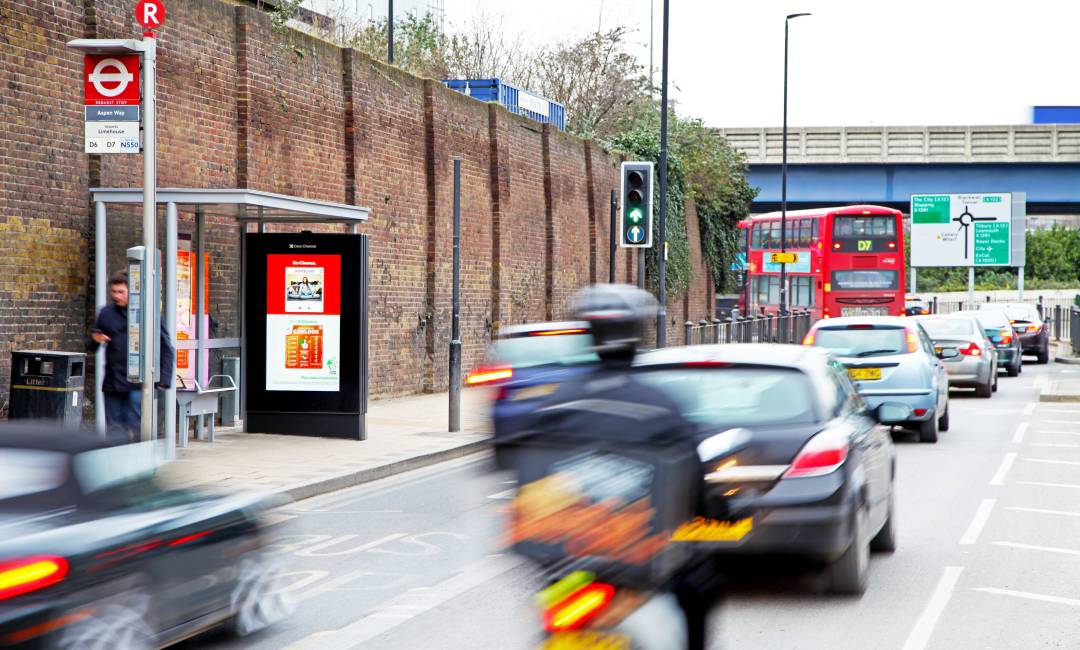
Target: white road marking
column 1057, row 421
column 1064, row 513
column 982, row 514
column 1041, row 484
column 409, row 605
column 1049, row 409
column 1066, row 433
column 1052, row 461
column 1032, row 547
column 1021, row 428
column 1003, row 469
column 1055, row 444
column 505, row 494
column 924, row 626
column 1030, row 596
column 1029, row 408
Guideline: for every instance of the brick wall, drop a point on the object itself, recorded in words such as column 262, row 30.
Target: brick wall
column 242, row 105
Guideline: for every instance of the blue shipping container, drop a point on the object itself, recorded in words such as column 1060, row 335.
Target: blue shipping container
column 1056, row 115
column 514, row 99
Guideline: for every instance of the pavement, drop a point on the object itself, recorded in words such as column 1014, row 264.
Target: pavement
column 988, row 553
column 403, row 434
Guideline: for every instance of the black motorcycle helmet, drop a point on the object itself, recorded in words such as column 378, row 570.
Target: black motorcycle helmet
column 616, row 314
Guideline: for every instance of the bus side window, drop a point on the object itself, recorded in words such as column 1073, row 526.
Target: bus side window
column 814, row 229
column 755, row 236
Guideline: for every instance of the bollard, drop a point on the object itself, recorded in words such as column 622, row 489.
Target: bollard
column 689, row 333
column 1057, row 322
column 716, row 330
column 1040, row 308
column 704, row 325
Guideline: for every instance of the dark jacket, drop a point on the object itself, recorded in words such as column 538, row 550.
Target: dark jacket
column 113, row 322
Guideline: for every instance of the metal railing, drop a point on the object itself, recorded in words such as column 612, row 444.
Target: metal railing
column 759, row 328
column 1056, row 312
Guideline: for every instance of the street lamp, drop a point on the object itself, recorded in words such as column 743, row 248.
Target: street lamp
column 783, row 177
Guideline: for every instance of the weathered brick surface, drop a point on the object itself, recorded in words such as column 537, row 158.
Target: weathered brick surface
column 243, row 105
column 44, row 226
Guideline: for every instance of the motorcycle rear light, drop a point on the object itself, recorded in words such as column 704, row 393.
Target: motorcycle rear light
column 576, row 330
column 971, row 350
column 22, row 576
column 580, row 607
column 821, row 455
column 488, row 375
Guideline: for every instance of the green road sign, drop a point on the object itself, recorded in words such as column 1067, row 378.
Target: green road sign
column 991, row 243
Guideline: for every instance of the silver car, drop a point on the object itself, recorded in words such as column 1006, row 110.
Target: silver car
column 976, row 364
column 890, row 359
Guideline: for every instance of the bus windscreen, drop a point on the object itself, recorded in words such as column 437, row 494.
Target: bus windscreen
column 864, row 280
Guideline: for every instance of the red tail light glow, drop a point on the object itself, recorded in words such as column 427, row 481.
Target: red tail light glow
column 30, row 574
column 808, row 339
column 578, row 608
column 972, row 350
column 823, row 454
column 1005, row 337
column 892, row 244
column 488, row 375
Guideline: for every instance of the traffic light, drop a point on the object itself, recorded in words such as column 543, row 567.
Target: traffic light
column 635, row 226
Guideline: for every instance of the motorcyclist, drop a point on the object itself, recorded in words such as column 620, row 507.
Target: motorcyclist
column 612, row 405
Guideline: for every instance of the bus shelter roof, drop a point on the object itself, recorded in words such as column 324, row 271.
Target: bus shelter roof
column 243, row 204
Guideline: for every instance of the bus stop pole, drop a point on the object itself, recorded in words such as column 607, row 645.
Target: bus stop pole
column 100, row 293
column 171, row 245
column 455, row 322
column 149, row 325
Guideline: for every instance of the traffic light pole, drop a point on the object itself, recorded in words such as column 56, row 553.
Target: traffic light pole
column 661, row 253
column 612, row 244
column 455, row 309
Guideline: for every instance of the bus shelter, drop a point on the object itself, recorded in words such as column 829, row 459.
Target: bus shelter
column 244, row 207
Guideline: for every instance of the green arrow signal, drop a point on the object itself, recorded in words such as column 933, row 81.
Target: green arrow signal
column 634, row 215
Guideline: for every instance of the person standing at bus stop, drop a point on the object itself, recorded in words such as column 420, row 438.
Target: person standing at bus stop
column 123, row 399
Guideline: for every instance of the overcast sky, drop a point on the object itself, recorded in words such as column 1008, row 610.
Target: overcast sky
column 852, row 63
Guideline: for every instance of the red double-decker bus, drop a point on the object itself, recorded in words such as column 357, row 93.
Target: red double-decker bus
column 850, row 261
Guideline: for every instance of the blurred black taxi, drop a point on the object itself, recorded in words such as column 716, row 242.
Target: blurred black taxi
column 96, row 553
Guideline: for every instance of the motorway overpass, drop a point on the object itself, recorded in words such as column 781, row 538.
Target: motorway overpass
column 886, row 165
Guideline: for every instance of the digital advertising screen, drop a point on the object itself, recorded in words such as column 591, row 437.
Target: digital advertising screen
column 303, row 322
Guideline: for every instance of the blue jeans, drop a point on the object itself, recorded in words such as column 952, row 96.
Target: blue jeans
column 123, row 412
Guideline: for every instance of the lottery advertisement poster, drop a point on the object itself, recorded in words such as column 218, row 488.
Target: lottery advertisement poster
column 303, row 322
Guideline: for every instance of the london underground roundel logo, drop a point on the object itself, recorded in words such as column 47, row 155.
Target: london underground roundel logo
column 111, row 79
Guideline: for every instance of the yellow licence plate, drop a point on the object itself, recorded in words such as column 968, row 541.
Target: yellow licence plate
column 586, row 640
column 865, row 374
column 711, row 530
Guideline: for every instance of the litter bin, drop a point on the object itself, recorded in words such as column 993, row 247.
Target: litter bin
column 47, row 385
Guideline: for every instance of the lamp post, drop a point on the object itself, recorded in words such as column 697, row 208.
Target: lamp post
column 661, row 255
column 783, row 176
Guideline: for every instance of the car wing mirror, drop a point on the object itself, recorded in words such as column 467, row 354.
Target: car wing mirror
column 892, row 413
column 723, row 444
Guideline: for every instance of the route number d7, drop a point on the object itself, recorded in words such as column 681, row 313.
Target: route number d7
column 865, row 245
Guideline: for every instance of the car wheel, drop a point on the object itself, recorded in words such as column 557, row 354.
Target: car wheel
column 119, row 620
column 1013, row 370
column 994, row 388
column 984, row 390
column 943, row 421
column 1044, row 356
column 928, row 430
column 848, row 574
column 258, row 600
column 885, row 540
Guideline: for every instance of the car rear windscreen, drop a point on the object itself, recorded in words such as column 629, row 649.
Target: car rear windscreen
column 737, row 396
column 864, row 279
column 943, row 327
column 25, row 472
column 991, row 319
column 1026, row 313
column 525, row 351
column 862, row 342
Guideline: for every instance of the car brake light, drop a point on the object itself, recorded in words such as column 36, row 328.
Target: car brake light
column 488, row 375
column 1005, row 337
column 919, row 412
column 860, row 327
column 821, row 455
column 912, row 341
column 578, row 608
column 924, row 311
column 972, row 350
column 808, row 339
column 30, row 574
column 706, row 364
column 1033, row 328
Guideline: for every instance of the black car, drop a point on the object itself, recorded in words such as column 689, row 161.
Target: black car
column 1028, row 326
column 915, row 306
column 1000, row 332
column 95, row 553
column 818, row 469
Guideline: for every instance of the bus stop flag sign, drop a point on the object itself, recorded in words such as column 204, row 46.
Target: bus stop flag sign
column 111, row 104
column 961, row 230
